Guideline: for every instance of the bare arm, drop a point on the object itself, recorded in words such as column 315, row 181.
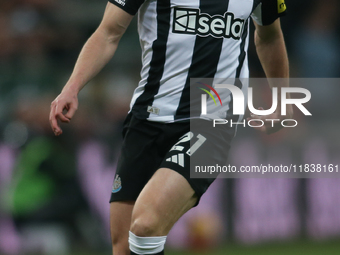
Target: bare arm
column 96, row 53
column 271, row 50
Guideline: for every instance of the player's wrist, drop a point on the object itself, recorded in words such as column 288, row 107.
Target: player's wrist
column 72, row 87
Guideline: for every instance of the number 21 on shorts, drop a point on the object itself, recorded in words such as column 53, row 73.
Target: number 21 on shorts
column 186, row 138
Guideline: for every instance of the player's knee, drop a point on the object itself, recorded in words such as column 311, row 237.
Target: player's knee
column 144, row 227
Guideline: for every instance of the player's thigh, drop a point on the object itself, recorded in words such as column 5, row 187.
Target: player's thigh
column 164, row 199
column 120, row 220
column 139, row 159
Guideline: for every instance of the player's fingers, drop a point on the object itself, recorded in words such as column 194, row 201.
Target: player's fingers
column 53, row 121
column 257, row 125
column 60, row 106
column 261, row 117
column 71, row 111
column 257, row 117
column 62, row 118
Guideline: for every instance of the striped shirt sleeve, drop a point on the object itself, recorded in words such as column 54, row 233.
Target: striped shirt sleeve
column 130, row 6
column 267, row 11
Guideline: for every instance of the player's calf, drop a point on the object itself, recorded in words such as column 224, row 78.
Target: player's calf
column 120, row 218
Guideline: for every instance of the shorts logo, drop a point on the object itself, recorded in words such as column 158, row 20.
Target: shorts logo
column 121, row 2
column 191, row 21
column 117, row 184
column 178, row 159
column 281, row 6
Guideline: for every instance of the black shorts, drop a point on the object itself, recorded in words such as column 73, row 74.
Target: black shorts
column 149, row 146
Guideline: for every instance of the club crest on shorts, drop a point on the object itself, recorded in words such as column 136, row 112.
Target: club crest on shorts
column 117, row 184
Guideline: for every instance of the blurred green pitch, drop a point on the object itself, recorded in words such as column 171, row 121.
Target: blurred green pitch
column 291, row 248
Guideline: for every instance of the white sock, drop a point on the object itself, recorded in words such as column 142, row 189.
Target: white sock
column 146, row 245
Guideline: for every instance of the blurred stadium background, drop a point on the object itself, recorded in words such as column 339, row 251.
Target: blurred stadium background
column 54, row 192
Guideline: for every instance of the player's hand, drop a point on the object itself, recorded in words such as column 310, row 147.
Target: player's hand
column 63, row 109
column 275, row 118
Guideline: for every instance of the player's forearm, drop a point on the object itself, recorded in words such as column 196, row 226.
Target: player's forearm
column 96, row 53
column 273, row 55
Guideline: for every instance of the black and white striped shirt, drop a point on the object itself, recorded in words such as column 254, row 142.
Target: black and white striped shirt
column 183, row 39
